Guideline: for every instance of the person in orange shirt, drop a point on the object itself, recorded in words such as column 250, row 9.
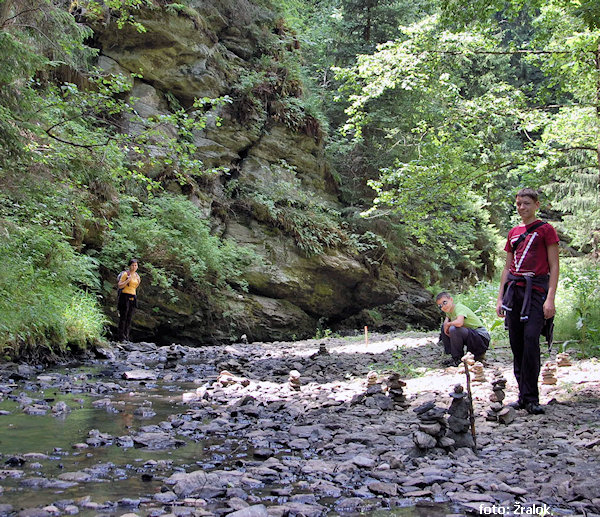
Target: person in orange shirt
column 128, row 283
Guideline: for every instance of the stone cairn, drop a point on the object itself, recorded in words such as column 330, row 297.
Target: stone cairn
column 478, row 373
column 372, row 378
column 469, row 358
column 375, row 395
column 432, row 427
column 549, row 373
column 395, row 390
column 459, row 426
column 563, row 359
column 498, row 412
column 322, row 351
column 294, row 380
column 474, row 366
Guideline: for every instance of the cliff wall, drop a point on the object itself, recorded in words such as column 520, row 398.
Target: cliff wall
column 271, row 190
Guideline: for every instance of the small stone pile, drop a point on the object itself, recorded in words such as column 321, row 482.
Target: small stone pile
column 458, row 422
column 563, row 359
column 478, row 373
column 395, row 389
column 322, row 351
column 469, row 358
column 375, row 395
column 294, row 380
column 498, row 412
column 432, row 427
column 372, row 378
column 173, row 354
column 226, row 378
column 549, row 373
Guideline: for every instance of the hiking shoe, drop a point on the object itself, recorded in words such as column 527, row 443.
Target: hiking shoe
column 534, row 409
column 517, row 404
column 451, row 362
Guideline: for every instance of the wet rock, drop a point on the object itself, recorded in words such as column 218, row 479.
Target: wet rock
column 156, row 441
column 60, row 408
column 39, row 483
column 386, row 489
column 258, row 510
column 140, row 375
column 98, row 439
column 34, row 512
column 36, row 409
column 165, row 497
column 15, row 461
column 144, row 412
column 77, row 477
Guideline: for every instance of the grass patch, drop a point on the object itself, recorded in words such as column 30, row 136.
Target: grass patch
column 46, row 301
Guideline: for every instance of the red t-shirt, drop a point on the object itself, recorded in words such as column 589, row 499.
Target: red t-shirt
column 531, row 256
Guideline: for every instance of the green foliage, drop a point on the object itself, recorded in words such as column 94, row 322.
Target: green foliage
column 578, row 310
column 577, row 320
column 271, row 88
column 561, row 121
column 45, row 299
column 314, row 224
column 481, row 299
column 171, row 238
column 123, row 11
column 72, row 143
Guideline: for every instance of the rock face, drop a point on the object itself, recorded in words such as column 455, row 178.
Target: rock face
column 205, row 51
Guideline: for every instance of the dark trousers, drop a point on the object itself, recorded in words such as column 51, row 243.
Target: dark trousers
column 459, row 337
column 126, row 306
column 525, row 343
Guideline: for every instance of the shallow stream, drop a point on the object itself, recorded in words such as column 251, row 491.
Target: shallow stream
column 36, row 448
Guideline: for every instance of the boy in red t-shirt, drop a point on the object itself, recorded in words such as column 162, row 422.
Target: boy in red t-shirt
column 526, row 296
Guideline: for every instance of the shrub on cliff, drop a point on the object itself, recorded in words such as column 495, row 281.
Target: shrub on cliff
column 172, row 239
column 46, row 304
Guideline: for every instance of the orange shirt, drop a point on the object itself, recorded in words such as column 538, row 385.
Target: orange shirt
column 134, row 281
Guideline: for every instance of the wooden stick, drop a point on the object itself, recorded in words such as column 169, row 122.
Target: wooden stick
column 471, row 412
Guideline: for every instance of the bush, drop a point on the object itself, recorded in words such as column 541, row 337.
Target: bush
column 44, row 298
column 172, row 239
column 577, row 321
column 578, row 307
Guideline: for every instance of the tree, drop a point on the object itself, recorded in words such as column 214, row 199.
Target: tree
column 563, row 141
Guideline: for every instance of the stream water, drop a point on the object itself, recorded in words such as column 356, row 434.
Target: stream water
column 122, row 476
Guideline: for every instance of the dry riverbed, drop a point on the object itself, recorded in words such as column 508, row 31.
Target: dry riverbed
column 329, row 448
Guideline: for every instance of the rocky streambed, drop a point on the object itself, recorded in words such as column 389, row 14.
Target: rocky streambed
column 288, row 429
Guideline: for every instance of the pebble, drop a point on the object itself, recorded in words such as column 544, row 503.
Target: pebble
column 345, row 436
